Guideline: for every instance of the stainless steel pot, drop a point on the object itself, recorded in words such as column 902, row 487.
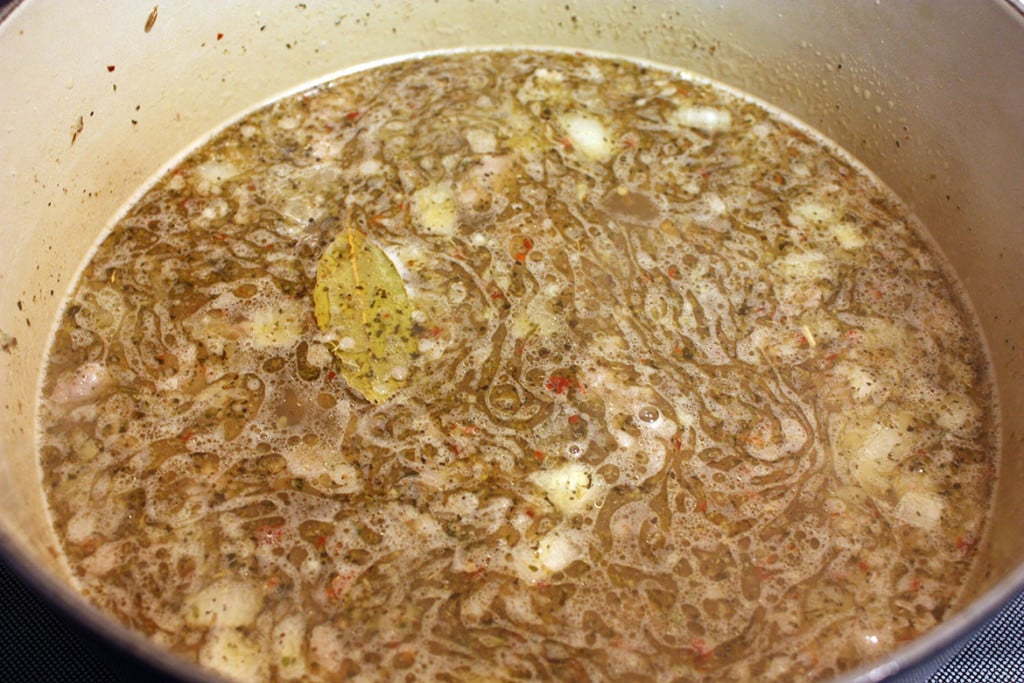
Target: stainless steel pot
column 95, row 100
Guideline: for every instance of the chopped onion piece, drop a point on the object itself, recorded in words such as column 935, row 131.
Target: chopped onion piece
column 707, row 119
column 923, row 510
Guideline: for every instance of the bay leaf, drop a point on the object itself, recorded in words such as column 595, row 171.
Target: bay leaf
column 361, row 299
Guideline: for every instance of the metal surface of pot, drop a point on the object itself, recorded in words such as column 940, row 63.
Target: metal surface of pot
column 97, row 98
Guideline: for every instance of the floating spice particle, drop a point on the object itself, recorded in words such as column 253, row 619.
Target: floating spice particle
column 559, row 384
column 520, row 256
column 110, row 68
column 151, row 19
column 811, row 341
column 77, row 128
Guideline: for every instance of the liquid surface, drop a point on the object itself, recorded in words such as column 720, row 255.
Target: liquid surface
column 688, row 397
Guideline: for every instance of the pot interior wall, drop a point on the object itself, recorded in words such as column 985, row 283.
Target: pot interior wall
column 97, row 104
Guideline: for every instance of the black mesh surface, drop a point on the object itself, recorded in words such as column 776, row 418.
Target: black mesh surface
column 37, row 645
column 996, row 655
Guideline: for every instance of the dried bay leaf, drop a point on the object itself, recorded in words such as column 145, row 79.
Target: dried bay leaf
column 359, row 296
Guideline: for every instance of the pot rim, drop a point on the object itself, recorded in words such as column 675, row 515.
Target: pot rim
column 943, row 640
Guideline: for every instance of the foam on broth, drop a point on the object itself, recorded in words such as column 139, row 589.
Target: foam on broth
column 693, row 399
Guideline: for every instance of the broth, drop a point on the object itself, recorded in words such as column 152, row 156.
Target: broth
column 687, row 394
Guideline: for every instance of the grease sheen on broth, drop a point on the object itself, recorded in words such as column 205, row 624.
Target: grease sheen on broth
column 692, row 399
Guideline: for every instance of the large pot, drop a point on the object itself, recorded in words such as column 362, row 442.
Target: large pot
column 95, row 100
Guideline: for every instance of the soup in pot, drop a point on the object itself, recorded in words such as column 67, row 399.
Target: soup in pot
column 519, row 365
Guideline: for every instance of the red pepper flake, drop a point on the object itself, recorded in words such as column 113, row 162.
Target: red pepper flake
column 321, row 542
column 673, row 272
column 434, row 332
column 559, row 383
column 353, row 115
column 916, row 584
column 566, row 143
column 219, row 36
column 863, row 566
column 331, row 374
column 478, row 572
column 538, row 456
column 186, row 436
column 454, row 448
column 110, row 68
column 700, row 648
column 340, row 584
column 574, row 419
column 527, row 248
column 964, row 545
column 702, row 506
column 270, row 534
